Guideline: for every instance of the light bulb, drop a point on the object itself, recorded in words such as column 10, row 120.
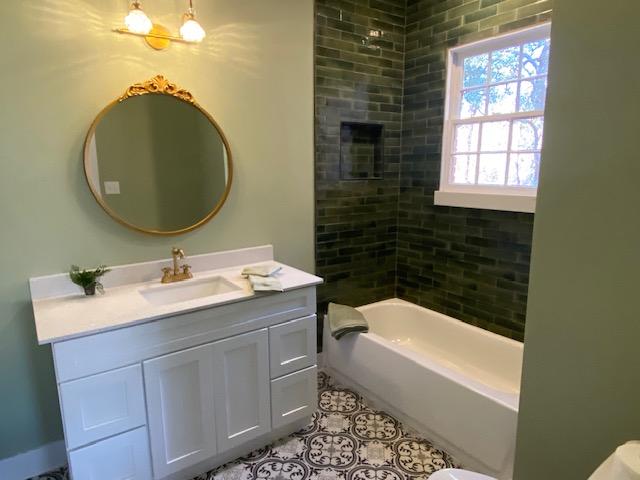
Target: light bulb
column 137, row 21
column 191, row 31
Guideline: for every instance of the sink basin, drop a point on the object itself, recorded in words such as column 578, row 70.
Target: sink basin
column 188, row 290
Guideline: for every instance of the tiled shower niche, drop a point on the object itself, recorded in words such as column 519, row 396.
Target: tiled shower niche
column 361, row 151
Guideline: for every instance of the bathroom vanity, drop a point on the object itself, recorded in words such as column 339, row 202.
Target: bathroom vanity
column 168, row 381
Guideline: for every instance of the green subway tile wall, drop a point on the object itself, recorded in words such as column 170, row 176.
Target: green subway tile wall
column 377, row 239
column 357, row 79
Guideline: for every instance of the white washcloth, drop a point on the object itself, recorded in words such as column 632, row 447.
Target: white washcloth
column 265, row 284
column 261, row 270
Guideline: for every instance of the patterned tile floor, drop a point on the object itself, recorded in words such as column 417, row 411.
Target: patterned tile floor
column 347, row 440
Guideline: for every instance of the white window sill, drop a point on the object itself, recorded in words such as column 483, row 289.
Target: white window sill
column 488, row 201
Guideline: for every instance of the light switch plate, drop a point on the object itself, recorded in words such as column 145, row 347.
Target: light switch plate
column 112, row 188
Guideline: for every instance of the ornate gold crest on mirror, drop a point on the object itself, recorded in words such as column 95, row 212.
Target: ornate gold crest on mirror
column 156, row 161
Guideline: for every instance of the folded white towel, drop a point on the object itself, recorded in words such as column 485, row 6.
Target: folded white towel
column 265, row 284
column 261, row 270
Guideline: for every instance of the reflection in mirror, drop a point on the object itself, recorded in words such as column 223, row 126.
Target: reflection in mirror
column 157, row 163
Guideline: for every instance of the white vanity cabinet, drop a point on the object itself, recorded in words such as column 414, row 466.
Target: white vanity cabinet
column 165, row 382
column 174, row 397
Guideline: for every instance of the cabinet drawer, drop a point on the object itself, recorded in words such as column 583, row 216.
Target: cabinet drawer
column 124, row 456
column 292, row 346
column 102, row 405
column 294, row 396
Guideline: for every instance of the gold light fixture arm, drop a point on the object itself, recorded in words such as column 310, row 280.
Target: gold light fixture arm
column 153, row 34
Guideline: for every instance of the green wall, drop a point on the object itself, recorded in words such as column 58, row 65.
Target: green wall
column 59, row 66
column 581, row 382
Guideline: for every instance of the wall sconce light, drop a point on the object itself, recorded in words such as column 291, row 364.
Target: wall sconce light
column 157, row 36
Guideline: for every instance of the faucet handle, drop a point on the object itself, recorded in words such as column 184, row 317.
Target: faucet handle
column 166, row 274
column 186, row 269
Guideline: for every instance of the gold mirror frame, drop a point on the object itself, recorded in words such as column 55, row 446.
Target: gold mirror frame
column 158, row 85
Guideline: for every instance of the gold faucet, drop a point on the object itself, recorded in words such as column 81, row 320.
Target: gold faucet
column 169, row 276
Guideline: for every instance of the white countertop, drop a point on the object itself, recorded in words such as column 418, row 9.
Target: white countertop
column 61, row 314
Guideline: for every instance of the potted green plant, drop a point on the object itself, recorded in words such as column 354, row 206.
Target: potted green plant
column 89, row 280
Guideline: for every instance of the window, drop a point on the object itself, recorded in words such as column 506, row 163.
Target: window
column 494, row 122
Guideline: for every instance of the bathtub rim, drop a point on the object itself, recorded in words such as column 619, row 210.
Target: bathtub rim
column 448, row 318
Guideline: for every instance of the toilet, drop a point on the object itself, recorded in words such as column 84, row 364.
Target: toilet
column 457, row 474
column 623, row 464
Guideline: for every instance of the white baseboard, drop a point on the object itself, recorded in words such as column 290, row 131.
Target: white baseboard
column 35, row 462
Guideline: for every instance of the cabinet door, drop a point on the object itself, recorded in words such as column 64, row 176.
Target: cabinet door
column 242, row 399
column 125, row 456
column 180, row 408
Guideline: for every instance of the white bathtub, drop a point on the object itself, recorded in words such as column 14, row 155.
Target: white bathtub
column 455, row 383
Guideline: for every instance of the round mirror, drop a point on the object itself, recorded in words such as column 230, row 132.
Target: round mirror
column 156, row 161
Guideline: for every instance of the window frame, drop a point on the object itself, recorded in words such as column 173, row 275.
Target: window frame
column 493, row 197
